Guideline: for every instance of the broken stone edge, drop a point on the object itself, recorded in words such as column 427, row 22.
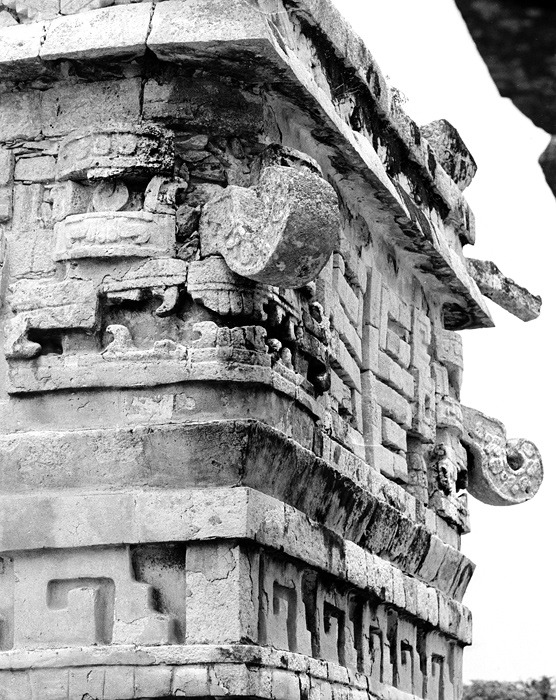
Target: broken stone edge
column 265, row 521
column 502, row 290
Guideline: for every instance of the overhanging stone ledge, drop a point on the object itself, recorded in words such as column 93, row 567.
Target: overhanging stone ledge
column 294, row 78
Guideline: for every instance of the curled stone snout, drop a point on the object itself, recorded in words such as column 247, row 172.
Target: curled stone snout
column 280, row 232
column 502, row 472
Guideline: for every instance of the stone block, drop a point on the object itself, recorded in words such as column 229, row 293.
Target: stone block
column 69, row 198
column 50, row 684
column 109, row 32
column 449, row 414
column 88, row 105
column 348, row 298
column 370, row 348
column 380, row 578
column 20, row 116
column 394, row 405
column 46, row 305
column 5, row 204
column 451, row 151
column 239, row 679
column 85, row 680
column 217, row 32
column 221, row 600
column 432, row 560
column 119, row 682
column 30, row 253
column 373, row 296
column 19, row 50
column 285, row 685
column 114, row 235
column 343, row 363
column 207, row 105
column 387, row 462
column 6, row 19
column 398, row 348
column 115, row 152
column 393, row 436
column 191, row 681
column 395, row 376
column 84, row 597
column 347, row 332
column 153, row 682
column 6, row 166
column 356, row 565
column 35, row 169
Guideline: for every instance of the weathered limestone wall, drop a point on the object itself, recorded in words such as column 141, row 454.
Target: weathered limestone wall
column 233, row 459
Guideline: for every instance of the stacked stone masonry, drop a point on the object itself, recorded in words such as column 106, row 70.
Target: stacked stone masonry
column 233, row 458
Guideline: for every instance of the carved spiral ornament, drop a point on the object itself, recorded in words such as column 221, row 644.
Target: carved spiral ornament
column 501, row 471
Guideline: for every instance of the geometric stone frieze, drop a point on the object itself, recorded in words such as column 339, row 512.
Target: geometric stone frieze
column 79, row 598
column 253, row 518
column 81, row 458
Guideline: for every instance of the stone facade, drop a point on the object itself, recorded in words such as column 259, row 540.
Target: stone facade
column 233, row 456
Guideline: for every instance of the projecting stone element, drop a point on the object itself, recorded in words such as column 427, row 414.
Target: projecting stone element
column 161, row 278
column 86, row 599
column 452, row 153
column 504, row 291
column 46, row 306
column 115, row 152
column 114, row 235
column 502, row 472
column 280, row 232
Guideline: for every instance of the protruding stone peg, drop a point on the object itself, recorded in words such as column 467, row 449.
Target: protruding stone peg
column 504, row 291
column 502, row 472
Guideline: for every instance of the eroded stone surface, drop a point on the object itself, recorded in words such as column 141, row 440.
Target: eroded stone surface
column 451, row 151
column 504, row 291
column 280, row 232
column 115, row 152
column 503, row 471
